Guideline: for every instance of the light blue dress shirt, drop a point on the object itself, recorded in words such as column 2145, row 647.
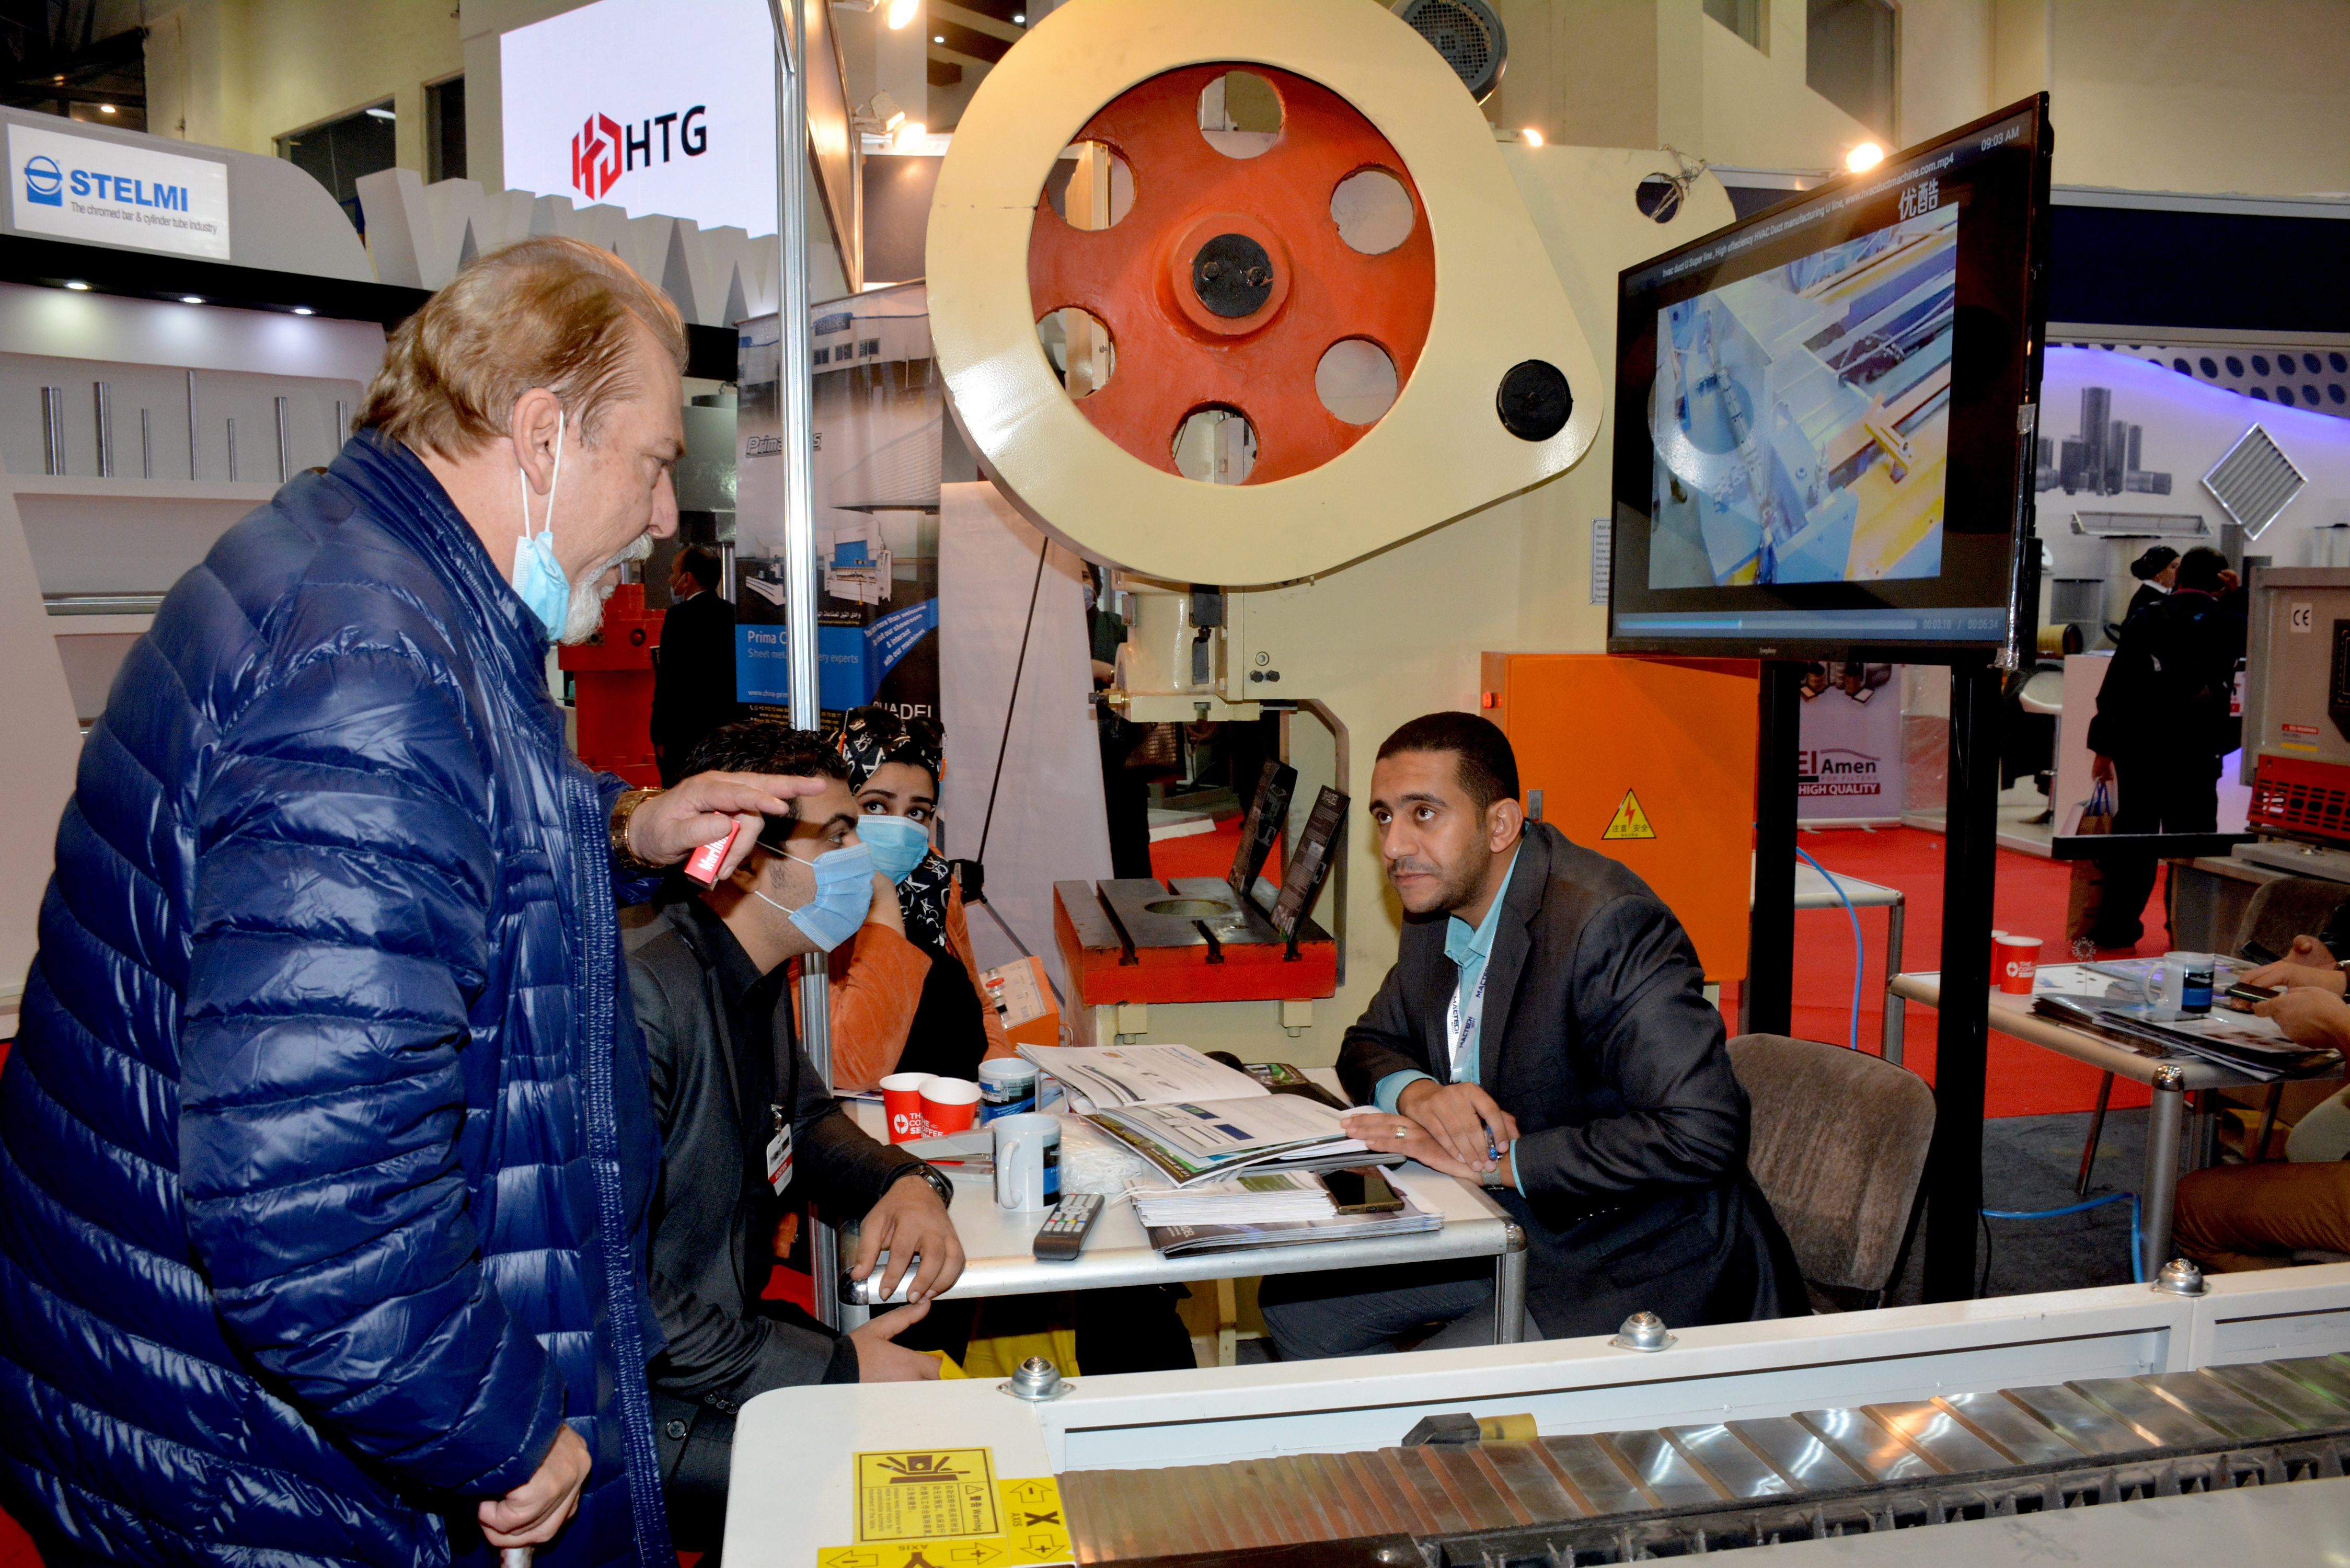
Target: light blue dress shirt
column 1468, row 947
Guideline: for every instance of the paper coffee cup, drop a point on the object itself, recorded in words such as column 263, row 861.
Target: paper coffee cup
column 950, row 1105
column 901, row 1101
column 2015, row 960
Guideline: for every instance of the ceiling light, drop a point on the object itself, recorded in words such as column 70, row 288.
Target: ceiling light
column 1530, row 137
column 906, row 135
column 76, row 285
column 938, row 38
column 1868, row 155
column 1020, row 18
column 106, row 109
column 902, row 11
column 381, row 114
column 191, row 299
column 304, row 310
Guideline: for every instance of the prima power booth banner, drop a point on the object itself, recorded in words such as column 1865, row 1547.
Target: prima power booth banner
column 1848, row 768
column 880, row 419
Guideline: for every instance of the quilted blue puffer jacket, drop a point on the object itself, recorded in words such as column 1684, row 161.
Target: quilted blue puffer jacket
column 323, row 1147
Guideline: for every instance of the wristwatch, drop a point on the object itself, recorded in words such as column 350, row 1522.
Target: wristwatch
column 622, row 809
column 929, row 1173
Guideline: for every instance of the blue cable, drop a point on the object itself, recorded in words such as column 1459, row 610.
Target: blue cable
column 1852, row 1040
column 2137, row 1267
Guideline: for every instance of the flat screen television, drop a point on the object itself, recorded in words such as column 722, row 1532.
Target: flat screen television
column 1825, row 415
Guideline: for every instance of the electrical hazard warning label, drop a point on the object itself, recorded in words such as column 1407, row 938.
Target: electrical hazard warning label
column 1033, row 1529
column 927, row 1494
column 1630, row 821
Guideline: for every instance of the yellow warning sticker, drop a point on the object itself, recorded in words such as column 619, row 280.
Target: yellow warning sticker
column 927, row 1494
column 1033, row 1530
column 1630, row 821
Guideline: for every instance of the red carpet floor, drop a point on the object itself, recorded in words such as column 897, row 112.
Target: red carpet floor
column 2029, row 899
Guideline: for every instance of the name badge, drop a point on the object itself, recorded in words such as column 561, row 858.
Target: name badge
column 779, row 1150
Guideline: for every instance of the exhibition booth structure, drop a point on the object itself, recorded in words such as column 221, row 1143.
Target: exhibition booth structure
column 1361, row 412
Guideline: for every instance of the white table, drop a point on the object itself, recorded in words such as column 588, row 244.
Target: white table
column 999, row 1257
column 1813, row 892
column 2170, row 1078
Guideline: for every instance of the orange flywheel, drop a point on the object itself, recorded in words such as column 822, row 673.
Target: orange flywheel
column 1227, row 281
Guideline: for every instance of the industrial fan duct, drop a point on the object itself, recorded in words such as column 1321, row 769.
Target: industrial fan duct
column 1468, row 35
column 1232, row 277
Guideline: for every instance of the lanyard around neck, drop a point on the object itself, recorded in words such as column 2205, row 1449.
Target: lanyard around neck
column 1461, row 1026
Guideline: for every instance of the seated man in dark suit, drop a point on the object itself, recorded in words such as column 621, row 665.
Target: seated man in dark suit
column 694, row 669
column 1544, row 1031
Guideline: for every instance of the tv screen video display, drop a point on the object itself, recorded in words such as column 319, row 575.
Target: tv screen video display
column 1823, row 412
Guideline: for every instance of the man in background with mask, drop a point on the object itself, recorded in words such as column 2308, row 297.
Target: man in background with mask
column 325, row 1146
column 747, row 1125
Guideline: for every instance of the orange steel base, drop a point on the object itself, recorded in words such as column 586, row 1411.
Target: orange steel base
column 1679, row 736
column 1103, row 970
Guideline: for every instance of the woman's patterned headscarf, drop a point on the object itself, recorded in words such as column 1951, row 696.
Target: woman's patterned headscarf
column 871, row 738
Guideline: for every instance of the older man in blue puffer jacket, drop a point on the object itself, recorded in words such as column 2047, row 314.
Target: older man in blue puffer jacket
column 324, row 1144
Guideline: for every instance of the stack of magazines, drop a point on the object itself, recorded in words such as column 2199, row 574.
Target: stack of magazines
column 1238, row 1216
column 2238, row 1042
column 1197, row 1121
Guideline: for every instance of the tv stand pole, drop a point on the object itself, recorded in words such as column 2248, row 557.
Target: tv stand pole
column 1766, row 999
column 1962, row 1024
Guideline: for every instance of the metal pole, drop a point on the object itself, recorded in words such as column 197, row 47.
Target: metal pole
column 232, row 449
column 2162, row 1128
column 797, row 394
column 285, row 445
column 103, row 407
column 195, row 443
column 1767, row 1001
column 1896, row 917
column 52, row 429
column 1962, row 1028
column 146, row 445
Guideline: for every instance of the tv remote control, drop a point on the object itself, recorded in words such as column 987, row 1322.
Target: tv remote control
column 1066, row 1227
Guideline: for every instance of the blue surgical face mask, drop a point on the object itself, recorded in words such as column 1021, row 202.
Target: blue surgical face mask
column 536, row 576
column 844, row 895
column 899, row 843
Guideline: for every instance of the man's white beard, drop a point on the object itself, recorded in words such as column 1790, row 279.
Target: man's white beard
column 585, row 618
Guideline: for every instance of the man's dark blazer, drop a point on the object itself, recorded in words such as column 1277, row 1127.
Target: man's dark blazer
column 1597, row 1037
column 693, row 678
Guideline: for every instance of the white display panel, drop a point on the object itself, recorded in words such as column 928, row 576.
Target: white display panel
column 104, row 193
column 652, row 106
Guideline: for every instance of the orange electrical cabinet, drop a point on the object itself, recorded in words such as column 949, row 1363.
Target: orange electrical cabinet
column 612, row 688
column 1652, row 763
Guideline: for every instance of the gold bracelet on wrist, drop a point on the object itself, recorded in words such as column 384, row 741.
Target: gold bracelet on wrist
column 622, row 809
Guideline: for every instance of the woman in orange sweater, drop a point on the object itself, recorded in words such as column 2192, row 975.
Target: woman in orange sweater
column 906, row 1000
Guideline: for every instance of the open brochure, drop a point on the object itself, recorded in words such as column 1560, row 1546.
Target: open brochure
column 2238, row 1042
column 1107, row 1076
column 1179, row 1241
column 1197, row 1120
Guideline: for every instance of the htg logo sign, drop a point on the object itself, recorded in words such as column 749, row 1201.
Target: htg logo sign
column 44, row 183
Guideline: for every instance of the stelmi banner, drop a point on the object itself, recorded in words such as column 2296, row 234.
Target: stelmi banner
column 84, row 188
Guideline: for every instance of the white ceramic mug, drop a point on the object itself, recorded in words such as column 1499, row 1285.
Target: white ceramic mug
column 1027, row 1162
column 2181, row 982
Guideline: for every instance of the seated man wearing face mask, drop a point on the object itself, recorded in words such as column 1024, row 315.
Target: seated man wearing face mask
column 746, row 1123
